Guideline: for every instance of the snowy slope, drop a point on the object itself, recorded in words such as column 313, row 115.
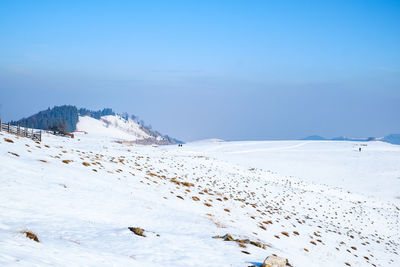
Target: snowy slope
column 113, row 127
column 81, row 195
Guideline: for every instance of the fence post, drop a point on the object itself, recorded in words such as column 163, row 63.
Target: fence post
column 8, row 128
column 40, row 137
column 32, row 134
column 1, row 125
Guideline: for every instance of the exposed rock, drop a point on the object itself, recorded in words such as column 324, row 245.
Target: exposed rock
column 30, row 235
column 274, row 261
column 137, row 231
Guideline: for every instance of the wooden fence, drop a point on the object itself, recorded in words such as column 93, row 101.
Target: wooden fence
column 21, row 131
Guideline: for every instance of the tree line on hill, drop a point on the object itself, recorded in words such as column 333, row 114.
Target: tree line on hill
column 64, row 119
column 96, row 114
column 60, row 118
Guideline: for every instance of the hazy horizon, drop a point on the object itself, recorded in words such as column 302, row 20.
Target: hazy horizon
column 235, row 70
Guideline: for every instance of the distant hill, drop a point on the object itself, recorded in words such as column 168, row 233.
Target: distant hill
column 210, row 140
column 392, row 138
column 314, row 137
column 102, row 122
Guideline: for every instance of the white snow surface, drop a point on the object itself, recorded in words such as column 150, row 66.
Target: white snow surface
column 311, row 202
column 111, row 127
column 374, row 171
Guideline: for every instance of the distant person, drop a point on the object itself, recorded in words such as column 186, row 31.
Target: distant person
column 359, row 149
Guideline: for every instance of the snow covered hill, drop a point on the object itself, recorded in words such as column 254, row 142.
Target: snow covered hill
column 104, row 123
column 117, row 128
column 79, row 196
column 112, row 127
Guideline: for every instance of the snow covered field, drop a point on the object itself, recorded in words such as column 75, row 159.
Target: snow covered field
column 315, row 203
column 374, row 171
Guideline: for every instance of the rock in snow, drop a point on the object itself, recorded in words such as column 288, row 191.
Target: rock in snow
column 275, row 261
column 137, row 231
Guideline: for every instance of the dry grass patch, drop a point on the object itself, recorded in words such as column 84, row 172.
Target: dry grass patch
column 66, row 161
column 285, row 233
column 173, row 180
column 8, row 140
column 241, row 242
column 85, row 163
column 14, row 154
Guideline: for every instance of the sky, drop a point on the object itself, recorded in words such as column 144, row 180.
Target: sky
column 235, row 70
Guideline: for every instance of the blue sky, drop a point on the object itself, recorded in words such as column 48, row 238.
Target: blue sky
column 237, row 70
